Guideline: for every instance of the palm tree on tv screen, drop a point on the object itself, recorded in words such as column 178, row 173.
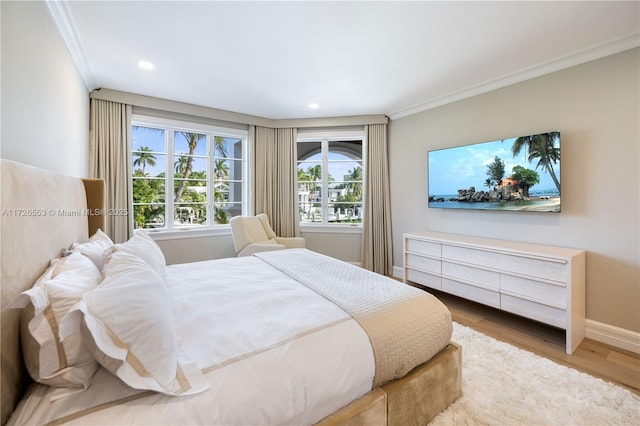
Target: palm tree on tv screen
column 542, row 147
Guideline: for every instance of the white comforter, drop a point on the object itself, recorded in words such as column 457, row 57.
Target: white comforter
column 273, row 352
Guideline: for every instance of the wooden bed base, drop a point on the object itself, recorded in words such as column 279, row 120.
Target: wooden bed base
column 414, row 399
column 49, row 212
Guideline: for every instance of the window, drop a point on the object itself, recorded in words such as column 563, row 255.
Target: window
column 186, row 175
column 330, row 179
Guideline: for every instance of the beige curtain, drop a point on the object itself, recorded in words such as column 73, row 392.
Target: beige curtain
column 377, row 246
column 275, row 178
column 109, row 148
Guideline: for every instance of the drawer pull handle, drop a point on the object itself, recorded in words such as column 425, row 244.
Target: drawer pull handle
column 471, row 283
column 534, row 300
column 537, row 279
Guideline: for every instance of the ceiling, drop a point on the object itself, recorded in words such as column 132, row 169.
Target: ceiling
column 272, row 59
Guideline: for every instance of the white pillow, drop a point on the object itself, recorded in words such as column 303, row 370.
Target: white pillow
column 128, row 325
column 48, row 360
column 143, row 246
column 97, row 248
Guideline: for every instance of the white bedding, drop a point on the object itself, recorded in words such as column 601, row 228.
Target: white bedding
column 272, row 350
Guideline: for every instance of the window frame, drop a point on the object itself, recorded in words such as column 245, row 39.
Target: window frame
column 324, row 137
column 170, row 127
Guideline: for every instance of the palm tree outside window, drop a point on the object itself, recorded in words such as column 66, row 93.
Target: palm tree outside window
column 330, row 180
column 204, row 166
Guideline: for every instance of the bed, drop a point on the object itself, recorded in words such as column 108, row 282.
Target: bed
column 278, row 338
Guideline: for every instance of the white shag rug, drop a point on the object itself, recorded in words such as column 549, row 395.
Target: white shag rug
column 505, row 385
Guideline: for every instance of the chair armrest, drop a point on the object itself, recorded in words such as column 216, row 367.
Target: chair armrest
column 291, row 242
column 258, row 247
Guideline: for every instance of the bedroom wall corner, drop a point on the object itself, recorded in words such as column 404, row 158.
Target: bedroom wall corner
column 45, row 102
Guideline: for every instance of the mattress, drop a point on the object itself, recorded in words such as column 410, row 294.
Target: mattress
column 273, row 351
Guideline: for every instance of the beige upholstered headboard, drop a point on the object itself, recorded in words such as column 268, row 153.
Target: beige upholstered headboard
column 42, row 213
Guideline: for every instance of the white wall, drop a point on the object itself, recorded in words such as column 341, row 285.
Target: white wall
column 203, row 247
column 45, row 104
column 341, row 245
column 596, row 106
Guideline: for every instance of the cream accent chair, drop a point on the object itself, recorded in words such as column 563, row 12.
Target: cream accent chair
column 252, row 234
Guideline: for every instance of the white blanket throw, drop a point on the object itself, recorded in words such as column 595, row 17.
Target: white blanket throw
column 406, row 326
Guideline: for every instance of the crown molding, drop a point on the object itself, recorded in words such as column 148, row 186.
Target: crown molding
column 352, row 120
column 62, row 20
column 576, row 58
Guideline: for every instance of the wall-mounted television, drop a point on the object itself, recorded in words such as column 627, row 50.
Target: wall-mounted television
column 516, row 174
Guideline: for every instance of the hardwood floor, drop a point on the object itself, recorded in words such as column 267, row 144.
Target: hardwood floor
column 598, row 359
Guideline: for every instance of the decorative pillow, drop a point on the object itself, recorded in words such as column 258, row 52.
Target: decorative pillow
column 143, row 246
column 48, row 360
column 128, row 325
column 96, row 249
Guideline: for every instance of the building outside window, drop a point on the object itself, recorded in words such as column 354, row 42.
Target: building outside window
column 330, row 178
column 186, row 175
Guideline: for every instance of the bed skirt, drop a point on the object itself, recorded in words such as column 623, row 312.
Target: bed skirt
column 414, row 399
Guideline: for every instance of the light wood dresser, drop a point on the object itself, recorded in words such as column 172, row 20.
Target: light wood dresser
column 544, row 283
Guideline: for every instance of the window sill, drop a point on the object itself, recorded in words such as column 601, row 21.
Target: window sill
column 179, row 234
column 331, row 229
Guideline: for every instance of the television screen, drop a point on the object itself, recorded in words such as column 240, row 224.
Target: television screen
column 516, row 174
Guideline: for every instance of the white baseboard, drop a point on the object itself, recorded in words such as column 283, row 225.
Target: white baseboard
column 605, row 333
column 398, row 272
column 614, row 336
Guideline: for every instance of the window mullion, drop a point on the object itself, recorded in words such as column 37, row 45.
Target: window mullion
column 247, row 159
column 325, row 181
column 210, row 180
column 169, row 185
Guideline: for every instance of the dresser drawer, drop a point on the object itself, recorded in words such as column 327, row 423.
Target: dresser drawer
column 423, row 278
column 536, row 311
column 550, row 294
column 470, row 255
column 426, row 264
column 542, row 283
column 480, row 295
column 423, row 247
column 484, row 277
column 555, row 270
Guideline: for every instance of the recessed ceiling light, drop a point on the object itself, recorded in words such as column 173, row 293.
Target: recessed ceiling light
column 313, row 105
column 145, row 65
